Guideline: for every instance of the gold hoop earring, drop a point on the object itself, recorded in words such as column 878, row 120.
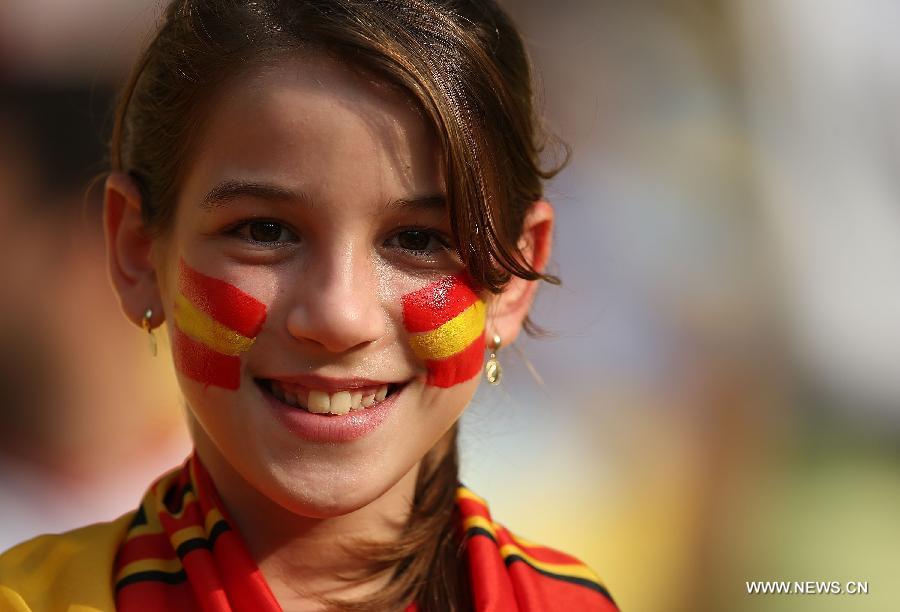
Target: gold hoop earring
column 492, row 370
column 145, row 324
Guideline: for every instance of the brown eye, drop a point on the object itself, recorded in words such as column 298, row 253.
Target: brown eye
column 265, row 231
column 414, row 240
column 419, row 246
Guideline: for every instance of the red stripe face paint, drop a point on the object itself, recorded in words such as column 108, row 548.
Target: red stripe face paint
column 438, row 316
column 222, row 301
column 199, row 362
column 432, row 306
column 231, row 310
column 456, row 369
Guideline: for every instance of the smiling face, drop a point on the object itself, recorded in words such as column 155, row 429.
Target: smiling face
column 324, row 336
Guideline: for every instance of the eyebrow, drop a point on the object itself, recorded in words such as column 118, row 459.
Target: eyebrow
column 230, row 190
column 429, row 203
column 227, row 191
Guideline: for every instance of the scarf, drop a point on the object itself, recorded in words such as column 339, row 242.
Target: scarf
column 181, row 553
column 508, row 572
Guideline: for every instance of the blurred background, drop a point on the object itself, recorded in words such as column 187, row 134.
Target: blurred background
column 719, row 400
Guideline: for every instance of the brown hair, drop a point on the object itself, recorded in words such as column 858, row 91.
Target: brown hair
column 464, row 63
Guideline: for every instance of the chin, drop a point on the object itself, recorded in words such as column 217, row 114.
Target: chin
column 314, row 490
column 321, row 479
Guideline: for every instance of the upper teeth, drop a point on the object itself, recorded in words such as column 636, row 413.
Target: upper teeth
column 322, row 402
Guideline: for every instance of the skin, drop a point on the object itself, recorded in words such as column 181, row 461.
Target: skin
column 354, row 148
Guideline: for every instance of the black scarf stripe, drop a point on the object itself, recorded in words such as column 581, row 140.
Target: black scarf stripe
column 510, row 559
column 183, row 549
column 154, row 576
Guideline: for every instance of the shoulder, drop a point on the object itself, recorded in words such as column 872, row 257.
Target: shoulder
column 50, row 571
column 538, row 577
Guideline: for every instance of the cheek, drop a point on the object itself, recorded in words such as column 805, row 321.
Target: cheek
column 446, row 325
column 214, row 323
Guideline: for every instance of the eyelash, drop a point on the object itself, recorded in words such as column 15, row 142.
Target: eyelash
column 445, row 243
column 237, row 230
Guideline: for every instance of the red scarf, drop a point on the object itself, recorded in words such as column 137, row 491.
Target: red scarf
column 510, row 573
column 181, row 554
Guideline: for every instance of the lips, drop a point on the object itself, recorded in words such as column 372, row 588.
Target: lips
column 303, row 411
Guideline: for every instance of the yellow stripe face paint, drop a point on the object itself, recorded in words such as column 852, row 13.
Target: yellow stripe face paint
column 200, row 326
column 453, row 336
column 446, row 324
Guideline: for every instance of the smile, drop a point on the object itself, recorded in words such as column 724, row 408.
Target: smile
column 336, row 402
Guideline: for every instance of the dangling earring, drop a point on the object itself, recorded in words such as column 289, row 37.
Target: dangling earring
column 145, row 324
column 492, row 369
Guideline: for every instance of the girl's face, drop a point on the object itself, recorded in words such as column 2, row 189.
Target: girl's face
column 323, row 334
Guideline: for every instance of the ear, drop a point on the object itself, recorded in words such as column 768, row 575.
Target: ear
column 508, row 309
column 128, row 248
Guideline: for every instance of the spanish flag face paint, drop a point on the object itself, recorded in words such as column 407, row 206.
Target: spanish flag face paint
column 446, row 320
column 214, row 323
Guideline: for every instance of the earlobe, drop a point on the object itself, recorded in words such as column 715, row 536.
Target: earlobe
column 128, row 247
column 508, row 310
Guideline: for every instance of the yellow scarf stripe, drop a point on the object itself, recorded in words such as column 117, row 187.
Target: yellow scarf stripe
column 152, row 524
column 154, row 499
column 212, row 517
column 523, row 541
column 453, row 336
column 572, row 570
column 169, row 566
column 151, row 527
column 200, row 326
column 188, row 498
column 188, row 533
column 464, row 493
column 568, row 569
column 178, row 538
column 153, row 504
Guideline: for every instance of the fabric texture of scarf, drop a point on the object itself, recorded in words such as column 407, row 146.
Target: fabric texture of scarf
column 181, row 553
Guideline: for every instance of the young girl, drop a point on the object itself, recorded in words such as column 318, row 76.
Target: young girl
column 335, row 207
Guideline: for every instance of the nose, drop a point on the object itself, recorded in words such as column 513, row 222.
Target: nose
column 336, row 303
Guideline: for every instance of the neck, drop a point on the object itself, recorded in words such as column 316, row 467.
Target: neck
column 302, row 557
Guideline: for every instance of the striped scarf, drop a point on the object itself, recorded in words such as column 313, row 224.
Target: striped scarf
column 181, row 554
column 511, row 573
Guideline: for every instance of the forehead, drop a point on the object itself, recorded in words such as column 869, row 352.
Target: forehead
column 316, row 125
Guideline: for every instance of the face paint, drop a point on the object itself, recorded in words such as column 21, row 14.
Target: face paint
column 446, row 320
column 214, row 323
